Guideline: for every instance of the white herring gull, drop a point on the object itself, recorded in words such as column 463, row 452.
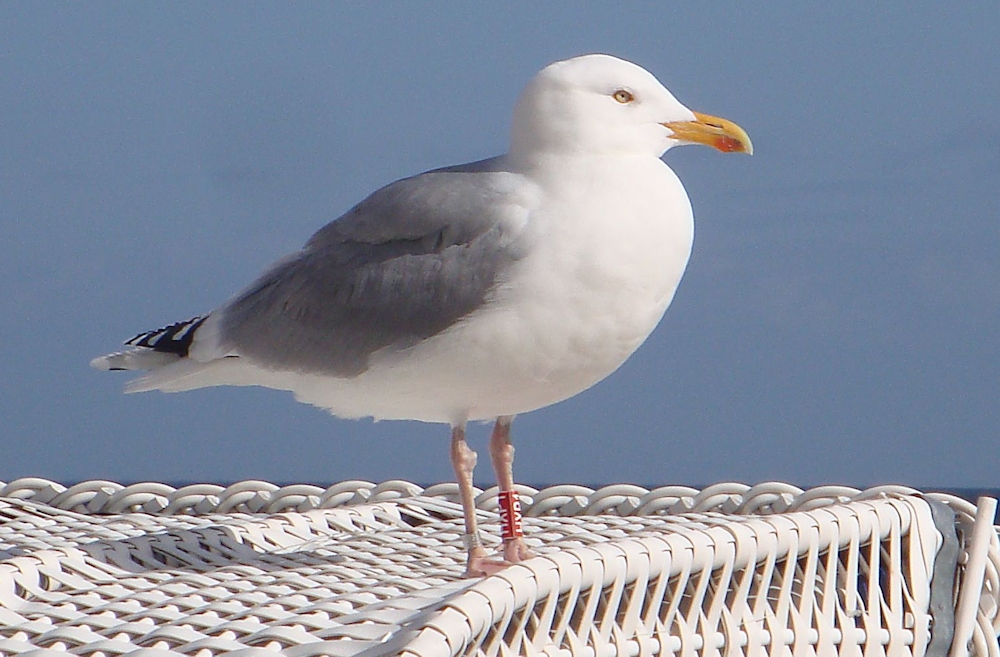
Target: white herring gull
column 477, row 291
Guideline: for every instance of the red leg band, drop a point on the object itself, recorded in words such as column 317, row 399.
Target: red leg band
column 510, row 514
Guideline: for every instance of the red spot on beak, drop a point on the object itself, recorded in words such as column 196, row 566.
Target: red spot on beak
column 728, row 145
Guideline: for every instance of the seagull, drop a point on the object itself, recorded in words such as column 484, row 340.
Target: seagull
column 473, row 292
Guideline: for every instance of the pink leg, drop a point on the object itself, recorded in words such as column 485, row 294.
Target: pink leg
column 463, row 460
column 502, row 454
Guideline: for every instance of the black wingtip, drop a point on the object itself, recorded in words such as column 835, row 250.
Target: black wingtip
column 173, row 339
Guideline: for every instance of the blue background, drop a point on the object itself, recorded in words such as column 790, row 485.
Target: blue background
column 838, row 321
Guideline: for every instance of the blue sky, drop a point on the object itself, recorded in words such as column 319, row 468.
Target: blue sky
column 838, row 321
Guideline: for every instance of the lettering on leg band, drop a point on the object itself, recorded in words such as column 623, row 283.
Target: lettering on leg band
column 510, row 514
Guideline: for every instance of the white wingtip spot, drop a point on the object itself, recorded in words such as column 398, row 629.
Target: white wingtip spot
column 141, row 358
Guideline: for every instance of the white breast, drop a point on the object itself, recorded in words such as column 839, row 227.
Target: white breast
column 606, row 268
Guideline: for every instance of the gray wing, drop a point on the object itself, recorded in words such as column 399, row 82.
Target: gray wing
column 405, row 264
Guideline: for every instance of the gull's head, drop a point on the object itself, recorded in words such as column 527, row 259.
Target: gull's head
column 602, row 105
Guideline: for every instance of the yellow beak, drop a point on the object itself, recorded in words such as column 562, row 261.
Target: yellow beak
column 712, row 131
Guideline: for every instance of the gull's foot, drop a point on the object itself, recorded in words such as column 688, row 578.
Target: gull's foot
column 480, row 565
column 515, row 550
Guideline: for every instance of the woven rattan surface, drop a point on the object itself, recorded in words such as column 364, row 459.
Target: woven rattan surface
column 360, row 569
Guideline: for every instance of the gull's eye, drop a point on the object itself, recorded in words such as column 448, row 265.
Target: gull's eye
column 623, row 96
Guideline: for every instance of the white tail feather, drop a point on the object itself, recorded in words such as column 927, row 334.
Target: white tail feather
column 187, row 374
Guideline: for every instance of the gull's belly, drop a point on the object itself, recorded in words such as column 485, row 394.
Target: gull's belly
column 510, row 358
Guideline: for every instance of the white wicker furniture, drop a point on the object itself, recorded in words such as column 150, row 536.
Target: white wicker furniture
column 357, row 569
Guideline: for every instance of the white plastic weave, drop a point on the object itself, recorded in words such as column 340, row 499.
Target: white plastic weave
column 358, row 569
